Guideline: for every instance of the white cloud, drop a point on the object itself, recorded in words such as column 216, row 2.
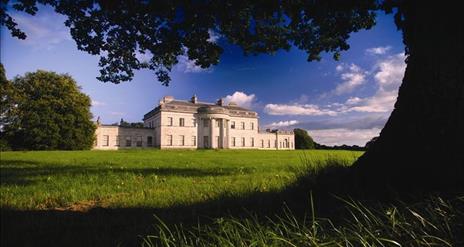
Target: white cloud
column 98, row 103
column 44, row 30
column 241, row 99
column 283, row 124
column 353, row 78
column 342, row 136
column 378, row 50
column 188, row 66
column 213, row 36
column 297, row 109
column 388, row 77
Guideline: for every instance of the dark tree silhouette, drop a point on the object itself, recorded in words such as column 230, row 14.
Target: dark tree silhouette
column 303, row 140
column 422, row 140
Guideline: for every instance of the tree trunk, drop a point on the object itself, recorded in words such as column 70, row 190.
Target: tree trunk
column 421, row 146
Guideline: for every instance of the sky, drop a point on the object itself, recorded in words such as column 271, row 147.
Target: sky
column 338, row 102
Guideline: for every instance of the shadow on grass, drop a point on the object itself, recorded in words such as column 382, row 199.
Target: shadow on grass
column 127, row 226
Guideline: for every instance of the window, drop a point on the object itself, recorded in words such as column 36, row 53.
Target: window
column 268, row 143
column 152, row 124
column 232, row 125
column 128, row 141
column 218, row 141
column 252, row 126
column 139, row 141
column 243, row 141
column 181, row 122
column 205, row 122
column 262, row 143
column 218, row 123
column 182, row 140
column 243, row 125
column 149, row 141
column 117, row 141
column 106, row 141
column 194, row 140
column 206, row 141
column 169, row 140
column 252, row 142
column 233, row 141
column 169, row 121
column 194, row 122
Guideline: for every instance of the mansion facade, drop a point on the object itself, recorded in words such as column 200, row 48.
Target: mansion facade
column 193, row 124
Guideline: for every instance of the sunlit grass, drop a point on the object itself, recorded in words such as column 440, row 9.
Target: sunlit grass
column 149, row 178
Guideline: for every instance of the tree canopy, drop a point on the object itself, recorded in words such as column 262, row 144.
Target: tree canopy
column 120, row 30
column 303, row 140
column 46, row 111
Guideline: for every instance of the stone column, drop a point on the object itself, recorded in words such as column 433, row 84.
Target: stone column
column 211, row 132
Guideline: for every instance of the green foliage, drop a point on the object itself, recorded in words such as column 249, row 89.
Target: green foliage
column 303, row 140
column 47, row 111
column 163, row 30
column 148, row 178
column 123, row 123
column 433, row 222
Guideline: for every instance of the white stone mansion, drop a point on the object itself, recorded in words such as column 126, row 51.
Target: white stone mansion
column 193, row 124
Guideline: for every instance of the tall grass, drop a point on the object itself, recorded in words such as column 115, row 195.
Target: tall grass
column 433, row 222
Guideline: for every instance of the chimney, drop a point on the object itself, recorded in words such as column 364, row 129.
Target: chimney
column 194, row 99
column 220, row 102
column 167, row 99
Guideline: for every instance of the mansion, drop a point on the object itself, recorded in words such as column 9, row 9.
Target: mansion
column 193, row 124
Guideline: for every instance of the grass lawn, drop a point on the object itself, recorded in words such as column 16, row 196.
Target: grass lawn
column 207, row 198
column 79, row 180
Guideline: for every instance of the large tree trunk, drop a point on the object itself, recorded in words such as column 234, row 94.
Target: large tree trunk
column 421, row 146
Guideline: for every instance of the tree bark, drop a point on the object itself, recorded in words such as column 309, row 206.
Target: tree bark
column 421, row 147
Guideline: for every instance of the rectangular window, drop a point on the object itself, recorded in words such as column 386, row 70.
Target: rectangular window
column 139, row 141
column 206, row 141
column 232, row 125
column 218, row 123
column 128, row 141
column 194, row 122
column 169, row 121
column 262, row 143
column 233, row 141
column 218, row 141
column 182, row 140
column 268, row 143
column 205, row 122
column 252, row 126
column 149, row 141
column 252, row 142
column 194, row 140
column 243, row 141
column 106, row 141
column 117, row 141
column 181, row 122
column 243, row 125
column 169, row 140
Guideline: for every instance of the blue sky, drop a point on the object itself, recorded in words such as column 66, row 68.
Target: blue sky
column 339, row 102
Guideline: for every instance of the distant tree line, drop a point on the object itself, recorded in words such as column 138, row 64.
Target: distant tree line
column 304, row 141
column 123, row 123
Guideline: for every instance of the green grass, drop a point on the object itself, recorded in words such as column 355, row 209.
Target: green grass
column 148, row 178
column 432, row 222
